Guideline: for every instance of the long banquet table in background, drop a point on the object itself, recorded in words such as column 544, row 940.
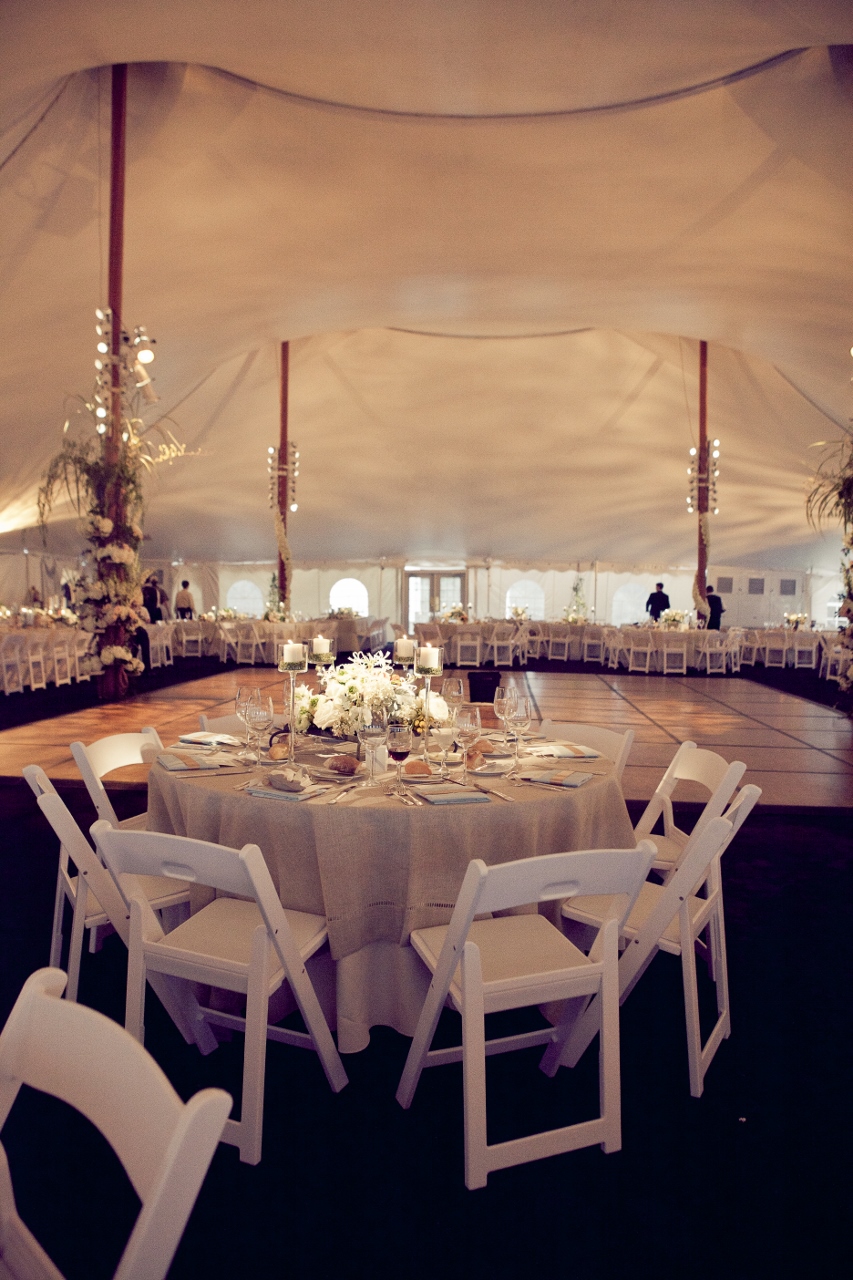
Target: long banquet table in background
column 377, row 869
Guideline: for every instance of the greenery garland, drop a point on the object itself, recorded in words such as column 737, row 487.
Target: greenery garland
column 831, row 498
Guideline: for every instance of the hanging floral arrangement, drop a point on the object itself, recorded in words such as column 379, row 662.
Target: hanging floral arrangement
column 102, row 474
column 831, row 498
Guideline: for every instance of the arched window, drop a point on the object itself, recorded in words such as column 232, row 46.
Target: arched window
column 245, row 597
column 629, row 604
column 349, row 593
column 526, row 595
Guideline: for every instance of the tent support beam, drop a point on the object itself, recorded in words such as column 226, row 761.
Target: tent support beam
column 283, row 466
column 702, row 475
column 118, row 130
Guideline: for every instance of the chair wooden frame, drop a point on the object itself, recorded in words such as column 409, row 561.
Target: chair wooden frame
column 245, row 942
column 663, row 916
column 164, row 1144
column 689, row 764
column 469, row 960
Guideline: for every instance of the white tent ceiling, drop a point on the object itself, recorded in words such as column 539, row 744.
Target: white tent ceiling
column 411, row 193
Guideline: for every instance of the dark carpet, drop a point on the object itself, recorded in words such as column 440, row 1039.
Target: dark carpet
column 751, row 1180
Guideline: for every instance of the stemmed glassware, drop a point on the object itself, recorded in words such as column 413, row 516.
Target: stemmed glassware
column 451, row 691
column 372, row 733
column 468, row 730
column 260, row 717
column 442, row 735
column 506, row 697
column 292, row 658
column 399, row 746
column 518, row 718
column 241, row 701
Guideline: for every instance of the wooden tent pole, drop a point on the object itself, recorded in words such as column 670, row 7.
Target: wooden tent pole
column 702, row 472
column 283, row 465
column 116, row 252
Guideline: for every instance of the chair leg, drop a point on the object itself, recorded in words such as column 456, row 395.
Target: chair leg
column 419, row 1047
column 255, row 1051
column 58, row 913
column 691, row 1001
column 75, row 946
column 609, row 1078
column 474, row 1068
column 134, row 1007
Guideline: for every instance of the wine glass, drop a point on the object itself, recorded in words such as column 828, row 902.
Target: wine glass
column 506, row 697
column 399, row 746
column 519, row 718
column 442, row 735
column 260, row 716
column 468, row 730
column 372, row 733
column 241, row 702
column 451, row 691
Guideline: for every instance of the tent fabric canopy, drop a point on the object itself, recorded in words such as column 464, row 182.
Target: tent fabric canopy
column 493, row 233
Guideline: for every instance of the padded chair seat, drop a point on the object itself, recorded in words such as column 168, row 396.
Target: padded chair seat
column 139, row 822
column 222, row 934
column 512, row 949
column 593, row 910
column 669, row 849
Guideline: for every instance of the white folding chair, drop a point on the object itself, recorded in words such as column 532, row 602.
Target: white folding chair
column 11, row 665
column 612, row 744
column 515, row 961
column 468, row 645
column 500, row 645
column 536, row 640
column 250, row 647
column 81, row 656
column 775, row 649
column 640, row 651
column 167, row 632
column 91, row 893
column 115, row 752
column 91, row 1063
column 806, row 650
column 689, row 764
column 713, row 654
column 558, row 642
column 251, row 947
column 748, row 642
column 612, row 637
column 593, row 645
column 663, row 917
column 60, row 661
column 36, row 662
column 674, row 657
column 732, row 648
column 833, row 662
column 191, row 639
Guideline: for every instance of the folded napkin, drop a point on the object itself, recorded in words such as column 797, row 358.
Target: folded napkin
column 555, row 777
column 177, row 761
column 288, row 779
column 562, row 750
column 451, row 794
column 270, row 793
column 206, row 738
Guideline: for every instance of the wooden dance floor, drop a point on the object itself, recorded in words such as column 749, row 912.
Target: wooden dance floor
column 799, row 753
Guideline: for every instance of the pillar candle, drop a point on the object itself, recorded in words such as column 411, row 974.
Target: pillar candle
column 405, row 648
column 291, row 653
column 428, row 656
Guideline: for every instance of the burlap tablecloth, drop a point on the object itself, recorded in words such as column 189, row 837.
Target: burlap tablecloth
column 377, row 869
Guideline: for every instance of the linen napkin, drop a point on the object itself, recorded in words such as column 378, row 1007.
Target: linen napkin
column 270, row 793
column 562, row 750
column 555, row 777
column 451, row 794
column 206, row 738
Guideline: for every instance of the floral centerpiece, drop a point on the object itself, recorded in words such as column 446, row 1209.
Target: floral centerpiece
column 519, row 613
column 368, row 680
column 343, row 613
column 795, row 620
column 455, row 613
column 108, row 605
column 673, row 619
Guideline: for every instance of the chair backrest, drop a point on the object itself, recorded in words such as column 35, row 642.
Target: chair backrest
column 91, row 1063
column 691, row 764
column 612, row 744
column 113, row 753
column 553, row 876
column 223, row 724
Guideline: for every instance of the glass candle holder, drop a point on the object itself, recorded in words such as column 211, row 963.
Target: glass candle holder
column 292, row 660
column 322, row 651
column 404, row 652
column 429, row 661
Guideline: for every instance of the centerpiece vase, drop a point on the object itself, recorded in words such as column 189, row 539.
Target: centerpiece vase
column 429, row 661
column 292, row 659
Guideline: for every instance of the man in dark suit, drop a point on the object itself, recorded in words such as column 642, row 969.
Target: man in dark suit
column 657, row 602
column 715, row 605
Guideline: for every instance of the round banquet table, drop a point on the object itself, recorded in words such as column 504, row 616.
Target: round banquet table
column 378, row 869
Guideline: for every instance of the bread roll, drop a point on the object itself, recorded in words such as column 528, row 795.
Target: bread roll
column 416, row 769
column 343, row 764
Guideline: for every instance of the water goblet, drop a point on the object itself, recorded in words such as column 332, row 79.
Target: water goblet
column 468, row 730
column 260, row 716
column 399, row 746
column 506, row 697
column 443, row 735
column 519, row 718
column 372, row 733
column 241, row 702
column 451, row 691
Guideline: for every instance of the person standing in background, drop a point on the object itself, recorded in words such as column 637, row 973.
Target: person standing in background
column 715, row 604
column 657, row 602
column 184, row 603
